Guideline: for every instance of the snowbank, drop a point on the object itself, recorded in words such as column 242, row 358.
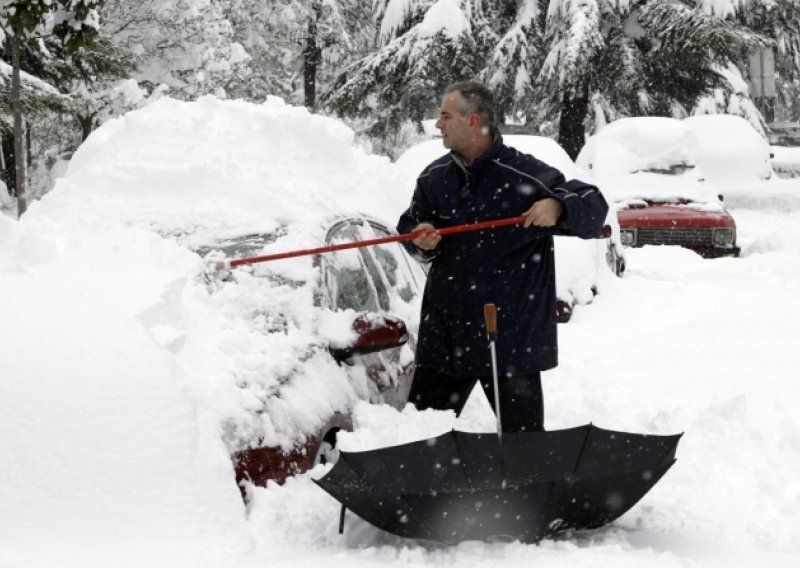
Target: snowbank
column 127, row 379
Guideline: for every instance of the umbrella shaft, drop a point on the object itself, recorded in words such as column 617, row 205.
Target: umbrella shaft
column 496, row 390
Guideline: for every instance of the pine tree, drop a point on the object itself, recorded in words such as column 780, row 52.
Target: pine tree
column 443, row 42
column 295, row 46
column 74, row 22
column 778, row 20
column 514, row 61
column 187, row 45
column 601, row 59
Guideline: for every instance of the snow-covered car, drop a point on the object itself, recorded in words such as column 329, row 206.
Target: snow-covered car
column 783, row 133
column 580, row 264
column 729, row 151
column 649, row 166
column 357, row 293
column 276, row 354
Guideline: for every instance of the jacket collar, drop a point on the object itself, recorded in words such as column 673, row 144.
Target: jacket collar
column 491, row 152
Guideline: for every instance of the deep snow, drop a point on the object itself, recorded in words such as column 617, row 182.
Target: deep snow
column 115, row 372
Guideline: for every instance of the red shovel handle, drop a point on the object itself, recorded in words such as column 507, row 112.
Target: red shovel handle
column 394, row 238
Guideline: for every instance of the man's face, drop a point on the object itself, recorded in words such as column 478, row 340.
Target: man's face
column 457, row 133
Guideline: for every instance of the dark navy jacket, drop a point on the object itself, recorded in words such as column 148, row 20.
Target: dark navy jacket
column 510, row 266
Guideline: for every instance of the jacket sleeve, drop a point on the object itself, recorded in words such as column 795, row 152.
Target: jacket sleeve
column 418, row 212
column 585, row 209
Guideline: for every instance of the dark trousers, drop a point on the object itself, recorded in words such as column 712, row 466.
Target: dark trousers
column 521, row 398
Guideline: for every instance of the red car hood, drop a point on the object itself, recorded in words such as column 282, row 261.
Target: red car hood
column 662, row 215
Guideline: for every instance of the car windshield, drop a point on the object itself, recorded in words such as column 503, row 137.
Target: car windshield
column 240, row 246
column 245, row 246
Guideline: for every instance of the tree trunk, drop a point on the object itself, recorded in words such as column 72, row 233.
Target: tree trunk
column 28, row 146
column 8, row 174
column 16, row 101
column 87, row 123
column 574, row 107
column 311, row 58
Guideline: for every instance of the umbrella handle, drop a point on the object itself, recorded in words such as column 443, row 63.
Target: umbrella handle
column 490, row 318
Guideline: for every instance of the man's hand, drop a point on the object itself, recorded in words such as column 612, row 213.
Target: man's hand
column 429, row 240
column 544, row 213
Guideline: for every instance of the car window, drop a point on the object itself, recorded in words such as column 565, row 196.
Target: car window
column 397, row 273
column 349, row 282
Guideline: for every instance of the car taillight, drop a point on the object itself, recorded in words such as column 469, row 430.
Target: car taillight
column 605, row 232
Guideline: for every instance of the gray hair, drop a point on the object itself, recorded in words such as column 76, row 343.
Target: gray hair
column 476, row 98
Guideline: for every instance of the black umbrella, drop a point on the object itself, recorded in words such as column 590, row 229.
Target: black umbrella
column 463, row 486
column 507, row 485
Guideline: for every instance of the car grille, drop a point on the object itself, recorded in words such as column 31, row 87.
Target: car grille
column 674, row 236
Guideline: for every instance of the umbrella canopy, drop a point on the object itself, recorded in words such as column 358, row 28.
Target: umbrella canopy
column 524, row 486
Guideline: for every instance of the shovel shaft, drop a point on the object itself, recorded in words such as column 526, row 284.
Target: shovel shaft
column 379, row 241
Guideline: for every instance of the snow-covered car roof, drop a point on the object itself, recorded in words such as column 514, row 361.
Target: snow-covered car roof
column 647, row 158
column 228, row 166
column 631, row 145
column 729, row 149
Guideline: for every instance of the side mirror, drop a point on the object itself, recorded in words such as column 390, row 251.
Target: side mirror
column 373, row 333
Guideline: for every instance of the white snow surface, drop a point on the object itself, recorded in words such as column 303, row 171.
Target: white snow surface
column 444, row 16
column 117, row 365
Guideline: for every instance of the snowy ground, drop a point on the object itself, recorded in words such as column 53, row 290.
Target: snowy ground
column 681, row 344
column 110, row 447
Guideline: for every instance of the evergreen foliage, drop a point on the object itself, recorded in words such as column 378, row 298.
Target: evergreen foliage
column 405, row 78
column 564, row 67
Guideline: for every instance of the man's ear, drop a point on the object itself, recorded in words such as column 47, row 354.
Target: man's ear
column 474, row 120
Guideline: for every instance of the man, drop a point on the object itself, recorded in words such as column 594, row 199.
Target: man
column 513, row 267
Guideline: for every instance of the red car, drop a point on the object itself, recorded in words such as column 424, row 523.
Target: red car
column 648, row 166
column 709, row 233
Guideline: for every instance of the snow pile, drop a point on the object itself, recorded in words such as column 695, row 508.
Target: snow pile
column 197, row 174
column 729, row 149
column 445, row 16
column 123, row 368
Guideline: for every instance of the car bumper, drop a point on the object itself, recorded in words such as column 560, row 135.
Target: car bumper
column 718, row 252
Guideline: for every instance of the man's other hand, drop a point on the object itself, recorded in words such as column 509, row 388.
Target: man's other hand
column 429, row 240
column 544, row 213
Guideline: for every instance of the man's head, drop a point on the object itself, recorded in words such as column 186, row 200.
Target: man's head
column 467, row 120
